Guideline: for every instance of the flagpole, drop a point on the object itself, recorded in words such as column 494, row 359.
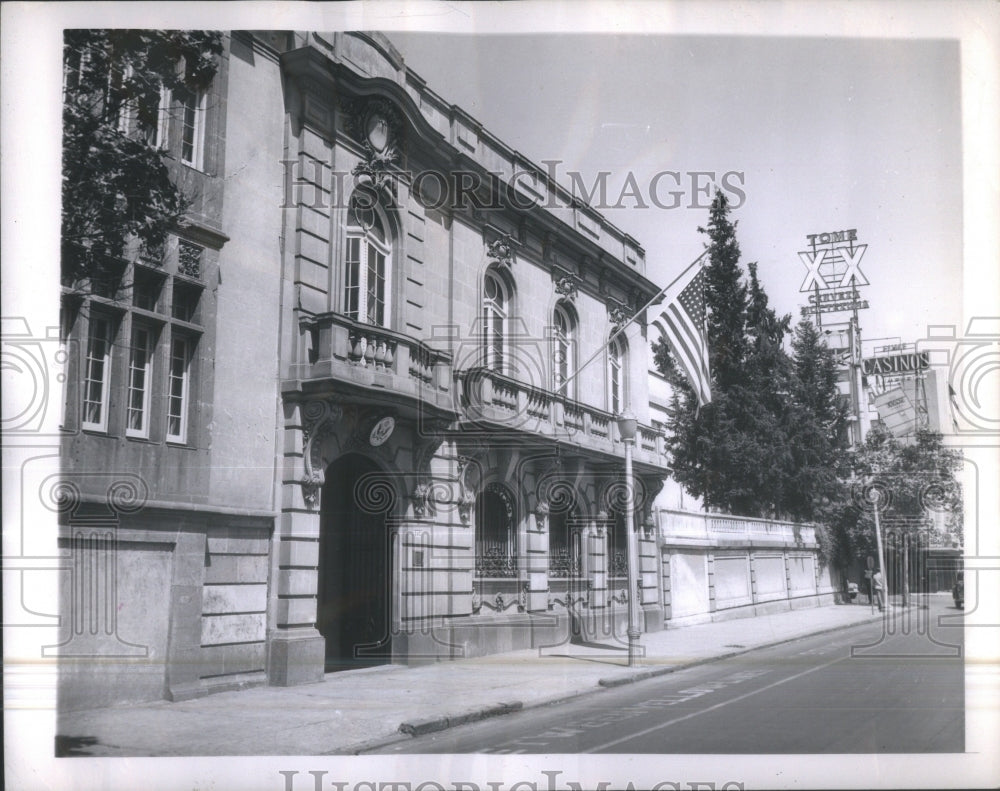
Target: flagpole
column 621, row 329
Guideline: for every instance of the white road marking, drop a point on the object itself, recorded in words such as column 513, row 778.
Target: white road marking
column 716, row 706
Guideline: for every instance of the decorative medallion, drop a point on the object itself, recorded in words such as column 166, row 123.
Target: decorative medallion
column 381, row 431
column 377, row 126
column 377, row 131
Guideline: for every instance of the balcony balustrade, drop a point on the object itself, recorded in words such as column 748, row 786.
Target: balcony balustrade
column 348, row 350
column 495, row 401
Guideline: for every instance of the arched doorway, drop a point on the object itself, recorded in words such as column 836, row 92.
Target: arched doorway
column 354, row 596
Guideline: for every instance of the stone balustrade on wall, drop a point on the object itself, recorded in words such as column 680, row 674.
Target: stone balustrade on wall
column 714, row 527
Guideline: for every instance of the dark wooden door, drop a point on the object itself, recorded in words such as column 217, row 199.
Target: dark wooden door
column 355, row 575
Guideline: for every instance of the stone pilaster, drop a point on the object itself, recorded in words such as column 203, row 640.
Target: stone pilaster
column 296, row 649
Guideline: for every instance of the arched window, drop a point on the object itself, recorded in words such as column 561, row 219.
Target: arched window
column 617, row 376
column 564, row 349
column 367, row 264
column 496, row 315
column 496, row 533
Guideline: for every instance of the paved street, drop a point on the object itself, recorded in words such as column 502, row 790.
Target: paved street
column 845, row 692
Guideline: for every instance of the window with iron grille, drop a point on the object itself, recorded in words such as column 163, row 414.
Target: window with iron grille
column 496, row 533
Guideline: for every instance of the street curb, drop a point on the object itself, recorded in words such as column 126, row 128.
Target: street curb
column 420, row 727
column 414, row 728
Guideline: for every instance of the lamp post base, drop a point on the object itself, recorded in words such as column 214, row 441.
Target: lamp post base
column 633, row 647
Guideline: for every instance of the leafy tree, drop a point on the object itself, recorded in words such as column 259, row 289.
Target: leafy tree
column 917, row 480
column 116, row 185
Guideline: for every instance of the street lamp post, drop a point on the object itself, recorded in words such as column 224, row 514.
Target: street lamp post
column 875, row 497
column 626, row 429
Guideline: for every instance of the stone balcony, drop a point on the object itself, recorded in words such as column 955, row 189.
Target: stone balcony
column 397, row 366
column 376, row 359
column 494, row 402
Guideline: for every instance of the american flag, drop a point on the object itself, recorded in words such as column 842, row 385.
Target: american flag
column 682, row 326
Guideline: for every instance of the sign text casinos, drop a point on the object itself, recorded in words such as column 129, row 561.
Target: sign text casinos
column 897, row 363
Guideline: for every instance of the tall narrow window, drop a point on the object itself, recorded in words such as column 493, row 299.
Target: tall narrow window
column 617, row 369
column 496, row 303
column 564, row 350
column 98, row 374
column 153, row 121
column 177, row 389
column 140, row 368
column 366, row 265
column 192, row 132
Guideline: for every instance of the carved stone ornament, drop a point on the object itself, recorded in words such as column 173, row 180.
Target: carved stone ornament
column 318, row 418
column 466, row 500
column 377, row 125
column 466, row 496
column 648, row 525
column 423, row 504
column 566, row 286
column 501, row 250
column 619, row 315
column 542, row 515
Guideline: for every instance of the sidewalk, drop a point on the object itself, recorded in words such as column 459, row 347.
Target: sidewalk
column 351, row 710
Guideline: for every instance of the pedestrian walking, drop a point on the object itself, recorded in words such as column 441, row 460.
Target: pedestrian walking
column 878, row 586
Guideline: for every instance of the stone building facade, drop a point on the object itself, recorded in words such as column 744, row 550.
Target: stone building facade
column 361, row 409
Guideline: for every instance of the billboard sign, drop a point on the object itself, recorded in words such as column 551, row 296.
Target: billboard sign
column 833, row 272
column 896, row 411
column 896, row 364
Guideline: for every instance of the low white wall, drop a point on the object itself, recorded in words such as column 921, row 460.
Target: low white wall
column 722, row 566
column 688, row 583
column 732, row 580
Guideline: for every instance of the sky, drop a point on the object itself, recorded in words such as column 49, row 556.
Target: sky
column 819, row 134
